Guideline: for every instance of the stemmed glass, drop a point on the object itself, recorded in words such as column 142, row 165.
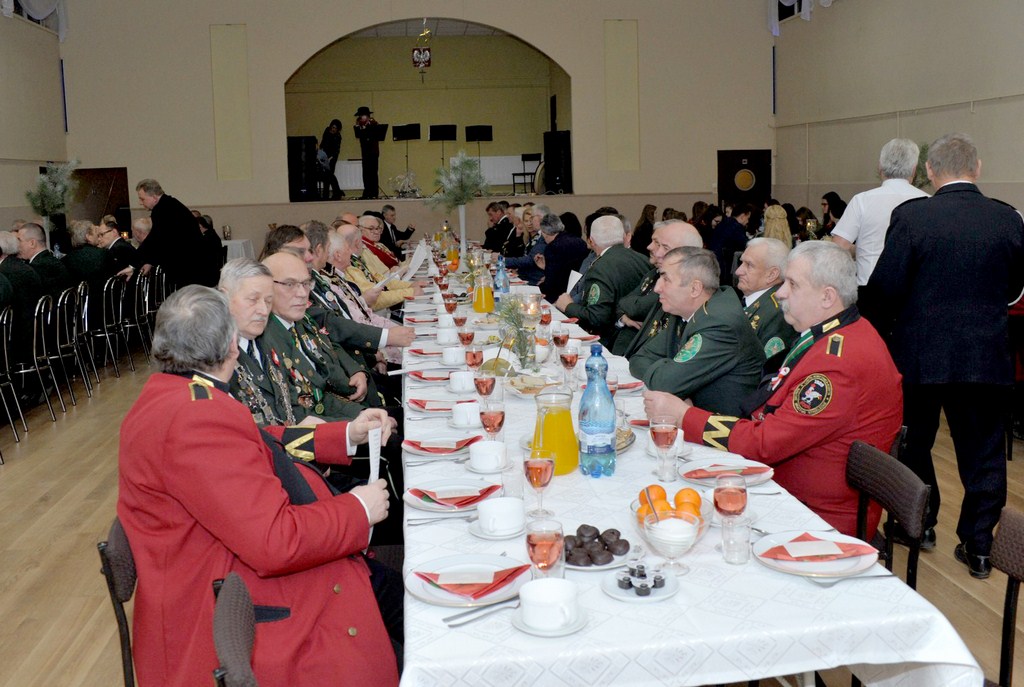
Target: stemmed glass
column 492, row 417
column 474, row 357
column 663, row 433
column 730, row 495
column 460, row 317
column 559, row 335
column 569, row 355
column 484, row 382
column 545, row 544
column 466, row 335
column 539, row 467
column 671, row 533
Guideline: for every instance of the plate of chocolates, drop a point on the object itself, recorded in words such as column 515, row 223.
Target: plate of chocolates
column 640, row 583
column 592, row 550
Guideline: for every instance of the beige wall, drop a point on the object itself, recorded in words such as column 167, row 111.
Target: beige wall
column 140, row 90
column 861, row 73
column 31, row 112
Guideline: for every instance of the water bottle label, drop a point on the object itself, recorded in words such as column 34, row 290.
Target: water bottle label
column 597, row 443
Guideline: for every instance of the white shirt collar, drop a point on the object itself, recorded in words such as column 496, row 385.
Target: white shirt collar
column 747, row 300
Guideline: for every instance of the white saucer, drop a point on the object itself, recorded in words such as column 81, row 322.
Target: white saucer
column 517, row 622
column 449, row 389
column 474, row 529
column 476, row 425
column 492, row 471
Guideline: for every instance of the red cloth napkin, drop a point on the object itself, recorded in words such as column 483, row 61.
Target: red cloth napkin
column 640, row 423
column 421, row 403
column 424, row 377
column 421, row 320
column 628, row 386
column 570, row 320
column 502, row 578
column 420, row 351
column 458, row 502
column 850, row 550
column 709, row 473
column 459, row 445
column 588, row 337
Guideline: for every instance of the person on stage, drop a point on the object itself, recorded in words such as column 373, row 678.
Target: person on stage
column 330, row 145
column 370, row 147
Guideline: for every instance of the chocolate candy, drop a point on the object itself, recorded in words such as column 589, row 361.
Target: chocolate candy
column 619, row 547
column 587, row 533
column 659, row 581
column 642, row 589
column 601, row 557
column 623, row 581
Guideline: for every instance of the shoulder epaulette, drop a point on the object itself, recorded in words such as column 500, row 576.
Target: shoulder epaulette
column 201, row 390
column 834, row 345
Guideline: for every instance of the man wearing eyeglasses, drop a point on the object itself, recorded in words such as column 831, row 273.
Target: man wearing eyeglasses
column 122, row 258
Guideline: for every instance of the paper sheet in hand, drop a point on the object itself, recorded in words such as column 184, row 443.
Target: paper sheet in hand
column 375, row 437
column 417, row 259
column 385, row 280
column 574, row 277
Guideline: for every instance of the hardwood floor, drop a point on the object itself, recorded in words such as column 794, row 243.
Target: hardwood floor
column 58, row 490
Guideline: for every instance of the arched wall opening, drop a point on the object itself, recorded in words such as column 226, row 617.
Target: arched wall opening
column 479, row 75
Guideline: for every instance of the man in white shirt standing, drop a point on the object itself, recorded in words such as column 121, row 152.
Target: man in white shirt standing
column 866, row 219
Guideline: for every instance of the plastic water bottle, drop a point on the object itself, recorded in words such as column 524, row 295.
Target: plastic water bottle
column 597, row 419
column 501, row 283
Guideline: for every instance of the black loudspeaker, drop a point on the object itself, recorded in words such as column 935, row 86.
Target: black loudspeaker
column 745, row 176
column 557, row 162
column 302, row 168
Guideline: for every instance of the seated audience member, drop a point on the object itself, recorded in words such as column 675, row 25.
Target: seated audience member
column 697, row 210
column 832, row 209
column 367, row 271
column 372, row 228
column 707, row 350
column 776, row 225
column 729, row 238
column 615, row 272
column 499, row 228
column 577, row 291
column 213, row 250
column 121, row 256
column 760, row 276
column 141, row 229
column 526, row 265
column 393, row 237
column 708, row 222
column 513, row 245
column 27, row 290
column 32, row 249
column 643, row 231
column 203, row 492
column 85, row 262
column 563, row 254
column 640, row 313
column 840, row 385
column 572, row 224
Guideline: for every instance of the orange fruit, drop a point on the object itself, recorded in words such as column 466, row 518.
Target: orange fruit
column 652, row 493
column 642, row 512
column 661, row 506
column 690, row 508
column 687, row 495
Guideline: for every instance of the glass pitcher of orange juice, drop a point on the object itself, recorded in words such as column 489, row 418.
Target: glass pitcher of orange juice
column 483, row 294
column 554, row 431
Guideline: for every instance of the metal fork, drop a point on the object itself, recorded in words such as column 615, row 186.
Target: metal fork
column 483, row 612
column 454, row 461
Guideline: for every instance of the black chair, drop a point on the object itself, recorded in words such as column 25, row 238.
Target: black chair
column 234, row 632
column 43, row 334
column 1008, row 556
column 118, row 567
column 135, row 311
column 6, row 379
column 110, row 329
column 525, row 178
column 67, row 343
column 84, row 340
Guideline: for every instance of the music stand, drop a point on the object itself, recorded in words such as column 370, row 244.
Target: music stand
column 477, row 133
column 406, row 132
column 442, row 133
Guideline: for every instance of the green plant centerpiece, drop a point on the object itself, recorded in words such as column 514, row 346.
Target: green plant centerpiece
column 54, row 188
column 460, row 183
column 515, row 335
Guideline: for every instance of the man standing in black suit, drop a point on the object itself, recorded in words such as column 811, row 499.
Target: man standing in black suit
column 32, row 249
column 175, row 243
column 951, row 264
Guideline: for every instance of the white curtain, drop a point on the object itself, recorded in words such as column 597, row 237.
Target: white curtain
column 40, row 10
column 805, row 11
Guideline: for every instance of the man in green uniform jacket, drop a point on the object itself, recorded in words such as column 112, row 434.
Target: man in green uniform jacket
column 760, row 274
column 615, row 273
column 714, row 355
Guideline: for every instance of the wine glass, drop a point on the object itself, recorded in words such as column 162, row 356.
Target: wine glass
column 466, row 335
column 569, row 355
column 474, row 357
column 484, row 383
column 545, row 314
column 671, row 533
column 559, row 335
column 663, row 433
column 730, row 495
column 460, row 318
column 545, row 545
column 539, row 466
column 492, row 417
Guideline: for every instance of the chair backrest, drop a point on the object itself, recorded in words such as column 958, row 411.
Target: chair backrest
column 234, row 632
column 83, row 307
column 531, row 157
column 6, row 330
column 1008, row 556
column 159, row 289
column 118, row 567
column 140, row 296
column 67, row 316
column 113, row 301
column 41, row 327
column 882, row 478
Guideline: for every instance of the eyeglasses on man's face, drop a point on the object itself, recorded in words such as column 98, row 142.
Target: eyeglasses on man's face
column 292, row 285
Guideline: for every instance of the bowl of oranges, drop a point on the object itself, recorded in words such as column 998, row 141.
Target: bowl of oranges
column 654, row 499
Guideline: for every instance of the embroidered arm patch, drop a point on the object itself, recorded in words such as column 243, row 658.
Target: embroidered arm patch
column 717, row 431
column 812, row 395
column 689, row 349
column 298, row 442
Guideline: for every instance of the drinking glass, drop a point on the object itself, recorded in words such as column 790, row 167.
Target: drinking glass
column 474, row 357
column 559, row 335
column 730, row 495
column 466, row 335
column 460, row 318
column 663, row 433
column 546, row 546
column 545, row 314
column 484, row 383
column 569, row 355
column 492, row 417
column 539, row 467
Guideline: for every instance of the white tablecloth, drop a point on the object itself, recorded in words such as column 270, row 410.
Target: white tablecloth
column 728, row 623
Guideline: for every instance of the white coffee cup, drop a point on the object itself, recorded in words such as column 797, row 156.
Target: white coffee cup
column 486, row 456
column 466, row 414
column 549, row 604
column 454, row 355
column 502, row 515
column 447, row 335
column 462, row 380
column 445, row 320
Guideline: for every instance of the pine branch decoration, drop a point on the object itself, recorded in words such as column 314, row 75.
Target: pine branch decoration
column 53, row 189
column 460, row 183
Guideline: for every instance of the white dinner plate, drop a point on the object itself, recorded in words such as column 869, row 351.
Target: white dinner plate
column 434, row 485
column 610, row 586
column 843, row 567
column 617, row 562
column 705, row 463
column 424, row 591
column 474, row 529
column 579, row 624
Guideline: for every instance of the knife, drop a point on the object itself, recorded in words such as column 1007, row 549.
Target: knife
column 482, row 610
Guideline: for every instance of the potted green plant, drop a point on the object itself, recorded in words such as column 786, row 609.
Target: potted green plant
column 54, row 188
column 459, row 184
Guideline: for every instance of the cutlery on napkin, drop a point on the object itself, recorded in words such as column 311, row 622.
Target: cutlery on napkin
column 712, row 471
column 473, row 584
column 418, row 374
column 808, row 548
column 441, row 446
column 456, row 497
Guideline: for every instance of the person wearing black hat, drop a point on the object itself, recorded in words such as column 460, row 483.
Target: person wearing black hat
column 330, row 145
column 370, row 148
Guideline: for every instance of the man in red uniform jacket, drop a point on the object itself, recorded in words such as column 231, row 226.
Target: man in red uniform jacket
column 837, row 385
column 201, row 494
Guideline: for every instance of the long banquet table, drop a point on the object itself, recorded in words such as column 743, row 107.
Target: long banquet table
column 727, row 624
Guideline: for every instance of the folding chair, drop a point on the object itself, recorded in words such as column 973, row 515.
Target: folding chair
column 118, row 567
column 234, row 632
column 1008, row 556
